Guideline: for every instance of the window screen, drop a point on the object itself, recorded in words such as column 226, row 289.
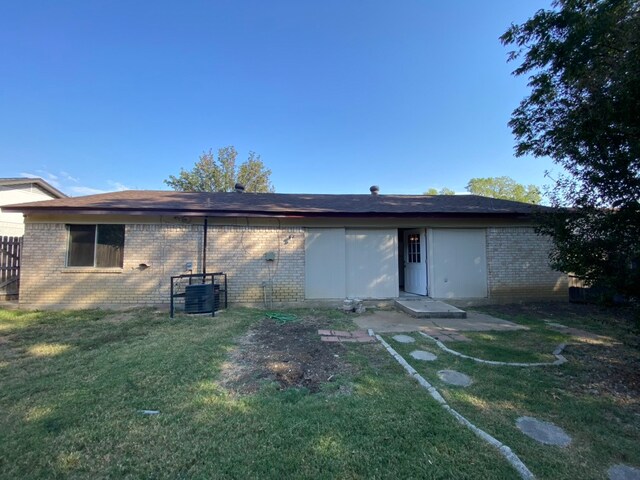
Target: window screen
column 82, row 239
column 96, row 246
column 110, row 246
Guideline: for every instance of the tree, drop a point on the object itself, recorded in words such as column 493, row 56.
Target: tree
column 220, row 175
column 506, row 188
column 582, row 59
column 443, row 191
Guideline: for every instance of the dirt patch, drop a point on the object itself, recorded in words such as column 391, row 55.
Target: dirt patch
column 624, row 319
column 612, row 371
column 609, row 363
column 290, row 354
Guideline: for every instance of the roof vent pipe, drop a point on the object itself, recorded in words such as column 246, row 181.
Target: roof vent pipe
column 239, row 188
column 375, row 189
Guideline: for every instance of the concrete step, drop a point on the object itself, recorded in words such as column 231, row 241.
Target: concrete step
column 428, row 308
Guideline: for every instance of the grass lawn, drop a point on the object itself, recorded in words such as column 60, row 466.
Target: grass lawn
column 72, row 385
column 581, row 396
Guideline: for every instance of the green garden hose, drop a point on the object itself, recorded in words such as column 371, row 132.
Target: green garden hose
column 282, row 317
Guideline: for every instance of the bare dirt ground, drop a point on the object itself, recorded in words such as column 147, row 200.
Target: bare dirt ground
column 625, row 318
column 289, row 354
column 608, row 368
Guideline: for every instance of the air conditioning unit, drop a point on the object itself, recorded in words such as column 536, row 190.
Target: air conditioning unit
column 199, row 298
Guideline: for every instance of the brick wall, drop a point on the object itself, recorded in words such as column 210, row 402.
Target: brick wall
column 165, row 248
column 518, row 266
column 240, row 252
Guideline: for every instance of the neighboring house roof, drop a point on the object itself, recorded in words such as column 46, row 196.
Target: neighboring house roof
column 148, row 202
column 54, row 192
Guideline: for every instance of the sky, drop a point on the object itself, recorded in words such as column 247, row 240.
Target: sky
column 335, row 96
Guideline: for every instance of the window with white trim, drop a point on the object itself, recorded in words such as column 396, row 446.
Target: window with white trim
column 99, row 246
column 413, row 251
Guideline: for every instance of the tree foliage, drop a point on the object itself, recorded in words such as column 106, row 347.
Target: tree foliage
column 496, row 187
column 211, row 174
column 442, row 191
column 582, row 59
column 506, row 188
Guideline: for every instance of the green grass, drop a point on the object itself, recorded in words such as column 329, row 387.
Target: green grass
column 72, row 385
column 530, row 346
column 605, row 430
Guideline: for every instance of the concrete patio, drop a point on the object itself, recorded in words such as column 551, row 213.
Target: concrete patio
column 386, row 321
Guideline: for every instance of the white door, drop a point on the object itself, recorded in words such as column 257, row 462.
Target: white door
column 351, row 263
column 415, row 262
column 324, row 260
column 459, row 263
column 372, row 263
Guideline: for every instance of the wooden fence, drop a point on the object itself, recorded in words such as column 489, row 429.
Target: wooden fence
column 9, row 265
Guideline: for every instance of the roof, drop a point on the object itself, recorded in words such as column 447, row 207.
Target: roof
column 149, row 202
column 47, row 187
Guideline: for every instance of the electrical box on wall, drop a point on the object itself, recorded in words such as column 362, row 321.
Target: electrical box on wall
column 270, row 256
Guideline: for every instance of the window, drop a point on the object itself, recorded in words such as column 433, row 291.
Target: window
column 96, row 246
column 413, row 251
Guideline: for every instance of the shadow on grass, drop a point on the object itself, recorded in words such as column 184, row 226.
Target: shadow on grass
column 77, row 412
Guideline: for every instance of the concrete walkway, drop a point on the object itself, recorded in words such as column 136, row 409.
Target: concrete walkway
column 389, row 321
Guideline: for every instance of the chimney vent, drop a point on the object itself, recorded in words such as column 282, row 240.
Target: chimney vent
column 375, row 189
column 239, row 188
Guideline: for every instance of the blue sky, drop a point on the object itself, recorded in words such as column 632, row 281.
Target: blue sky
column 335, row 96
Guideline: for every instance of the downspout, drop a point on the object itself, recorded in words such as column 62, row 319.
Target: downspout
column 204, row 248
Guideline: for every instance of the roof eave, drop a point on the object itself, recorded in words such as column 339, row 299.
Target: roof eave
column 37, row 181
column 259, row 213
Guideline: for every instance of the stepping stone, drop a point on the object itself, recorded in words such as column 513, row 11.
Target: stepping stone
column 623, row 472
column 455, row 378
column 543, row 432
column 422, row 355
column 404, row 339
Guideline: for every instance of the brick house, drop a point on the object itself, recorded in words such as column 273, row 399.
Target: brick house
column 87, row 251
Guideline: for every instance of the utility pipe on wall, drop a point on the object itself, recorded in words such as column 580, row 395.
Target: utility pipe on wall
column 204, row 247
